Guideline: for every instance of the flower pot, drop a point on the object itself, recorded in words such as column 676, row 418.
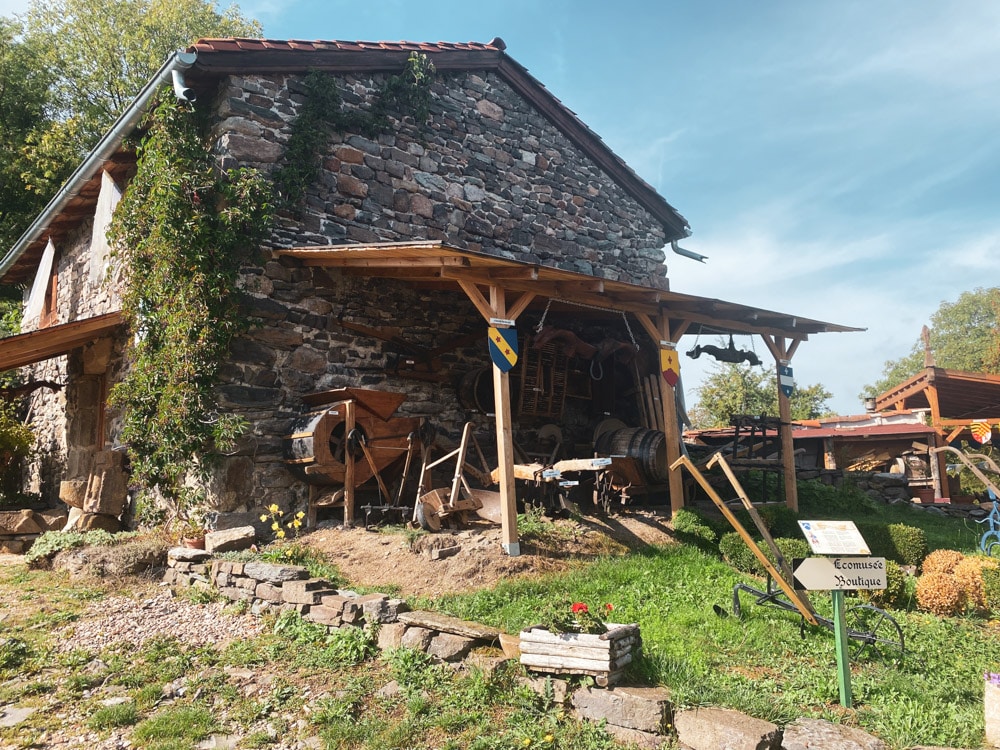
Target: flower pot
column 193, row 542
column 991, row 705
column 603, row 657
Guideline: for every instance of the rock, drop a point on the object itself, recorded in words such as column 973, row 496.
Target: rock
column 390, row 690
column 416, row 638
column 324, row 615
column 636, row 737
column 310, row 591
column 19, row 522
column 12, row 546
column 390, row 635
column 107, row 488
column 560, row 688
column 11, row 716
column 186, row 554
column 725, row 729
column 242, row 537
column 268, row 592
column 818, row 734
column 53, row 519
column 73, row 492
column 449, row 647
column 446, row 624
column 646, row 709
column 274, row 574
column 72, row 519
column 91, row 521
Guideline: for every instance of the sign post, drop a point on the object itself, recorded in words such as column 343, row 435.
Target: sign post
column 847, row 572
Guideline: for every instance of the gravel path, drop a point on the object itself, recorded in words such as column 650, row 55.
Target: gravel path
column 120, row 620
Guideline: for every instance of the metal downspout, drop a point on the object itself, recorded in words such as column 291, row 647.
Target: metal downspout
column 107, row 146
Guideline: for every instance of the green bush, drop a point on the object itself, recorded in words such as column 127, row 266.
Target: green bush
column 688, row 523
column 991, row 590
column 735, row 552
column 780, row 520
column 894, row 595
column 51, row 542
column 878, row 538
column 908, row 542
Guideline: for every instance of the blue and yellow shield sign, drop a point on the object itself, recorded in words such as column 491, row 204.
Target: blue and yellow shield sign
column 503, row 347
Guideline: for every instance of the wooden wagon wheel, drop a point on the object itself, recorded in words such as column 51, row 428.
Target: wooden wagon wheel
column 429, row 508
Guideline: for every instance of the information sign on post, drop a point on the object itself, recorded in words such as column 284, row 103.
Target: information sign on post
column 836, row 575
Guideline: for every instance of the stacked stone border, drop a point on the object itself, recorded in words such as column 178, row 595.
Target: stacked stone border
column 643, row 715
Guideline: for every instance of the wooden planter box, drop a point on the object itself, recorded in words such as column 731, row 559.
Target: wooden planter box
column 603, row 657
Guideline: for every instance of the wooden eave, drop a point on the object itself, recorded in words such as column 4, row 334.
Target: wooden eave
column 76, row 209
column 45, row 343
column 956, row 398
column 434, row 263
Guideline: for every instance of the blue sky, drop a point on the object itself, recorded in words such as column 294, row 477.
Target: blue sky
column 836, row 160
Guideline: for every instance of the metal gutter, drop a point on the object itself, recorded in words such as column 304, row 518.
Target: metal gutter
column 105, row 148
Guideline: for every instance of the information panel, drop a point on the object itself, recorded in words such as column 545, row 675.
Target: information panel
column 834, row 538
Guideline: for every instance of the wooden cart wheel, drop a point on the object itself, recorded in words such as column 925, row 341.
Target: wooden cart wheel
column 874, row 634
column 429, row 512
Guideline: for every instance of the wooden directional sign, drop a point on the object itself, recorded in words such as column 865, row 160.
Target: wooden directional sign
column 839, row 573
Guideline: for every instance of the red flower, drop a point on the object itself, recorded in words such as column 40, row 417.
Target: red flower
column 579, row 607
column 608, row 607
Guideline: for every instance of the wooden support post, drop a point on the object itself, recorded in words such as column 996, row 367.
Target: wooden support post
column 665, row 338
column 782, row 351
column 505, row 442
column 349, row 425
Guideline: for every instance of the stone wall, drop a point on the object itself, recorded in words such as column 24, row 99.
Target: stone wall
column 486, row 173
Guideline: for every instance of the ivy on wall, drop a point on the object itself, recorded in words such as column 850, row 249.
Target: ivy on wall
column 323, row 112
column 181, row 234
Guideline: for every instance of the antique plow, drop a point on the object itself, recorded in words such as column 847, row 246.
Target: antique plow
column 872, row 631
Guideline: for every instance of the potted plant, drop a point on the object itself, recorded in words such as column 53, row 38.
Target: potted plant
column 193, row 532
column 576, row 639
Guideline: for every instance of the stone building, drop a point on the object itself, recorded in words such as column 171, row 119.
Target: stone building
column 502, row 205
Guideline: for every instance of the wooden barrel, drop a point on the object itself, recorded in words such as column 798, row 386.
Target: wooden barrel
column 475, row 390
column 647, row 447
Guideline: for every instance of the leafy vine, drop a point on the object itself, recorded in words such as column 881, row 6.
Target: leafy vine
column 323, row 112
column 181, row 233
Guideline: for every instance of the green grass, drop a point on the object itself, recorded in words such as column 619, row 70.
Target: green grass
column 307, row 684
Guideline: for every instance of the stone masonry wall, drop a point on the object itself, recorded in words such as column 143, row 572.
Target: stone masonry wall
column 486, row 173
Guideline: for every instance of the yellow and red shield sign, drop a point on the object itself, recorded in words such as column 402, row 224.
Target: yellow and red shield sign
column 981, row 431
column 670, row 366
column 503, row 347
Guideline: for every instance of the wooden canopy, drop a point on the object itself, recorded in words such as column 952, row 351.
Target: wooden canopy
column 956, row 399
column 503, row 288
column 45, row 343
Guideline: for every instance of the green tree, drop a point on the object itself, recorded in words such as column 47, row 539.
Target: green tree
column 964, row 335
column 24, row 100
column 742, row 389
column 89, row 59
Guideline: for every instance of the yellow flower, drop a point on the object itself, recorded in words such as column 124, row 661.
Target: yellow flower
column 275, row 526
column 527, row 742
column 549, row 738
column 300, row 515
column 263, row 518
column 273, row 507
column 280, row 534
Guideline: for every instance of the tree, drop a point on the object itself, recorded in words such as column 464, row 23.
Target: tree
column 24, row 99
column 964, row 335
column 76, row 65
column 742, row 389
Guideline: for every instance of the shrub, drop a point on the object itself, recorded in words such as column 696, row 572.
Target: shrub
column 969, row 573
column 940, row 594
column 878, row 538
column 894, row 593
column 688, row 523
column 941, row 561
column 780, row 520
column 735, row 552
column 909, row 543
column 51, row 542
column 991, row 590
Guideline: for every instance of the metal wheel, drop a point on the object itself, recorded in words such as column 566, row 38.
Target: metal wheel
column 874, row 634
column 991, row 546
column 428, row 512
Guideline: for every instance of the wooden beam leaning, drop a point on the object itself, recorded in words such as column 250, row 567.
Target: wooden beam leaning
column 805, row 609
column 505, row 440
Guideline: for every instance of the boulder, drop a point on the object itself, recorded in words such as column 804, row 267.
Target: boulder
column 242, row 537
column 817, row 734
column 647, row 709
column 92, row 521
column 273, row 573
column 725, row 729
column 107, row 488
column 15, row 522
column 73, row 492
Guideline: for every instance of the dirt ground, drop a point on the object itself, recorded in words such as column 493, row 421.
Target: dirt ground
column 405, row 564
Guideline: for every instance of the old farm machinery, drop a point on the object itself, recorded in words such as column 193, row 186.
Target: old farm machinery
column 873, row 632
column 989, row 543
